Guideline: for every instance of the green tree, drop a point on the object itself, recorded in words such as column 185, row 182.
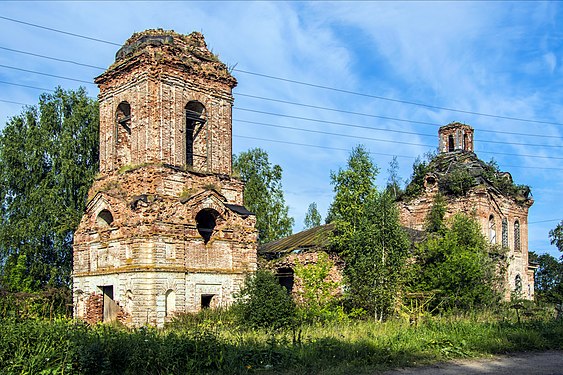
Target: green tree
column 556, row 236
column 457, row 182
column 352, row 186
column 435, row 218
column 459, row 264
column 317, row 291
column 263, row 194
column 263, row 303
column 48, row 159
column 368, row 236
column 312, row 217
column 548, row 278
column 394, row 181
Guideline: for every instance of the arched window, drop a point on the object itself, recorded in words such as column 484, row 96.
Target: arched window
column 206, row 221
column 492, row 230
column 504, row 232
column 195, row 112
column 517, row 236
column 451, row 146
column 465, row 142
column 104, row 219
column 123, row 116
column 518, row 284
column 123, row 133
column 170, row 302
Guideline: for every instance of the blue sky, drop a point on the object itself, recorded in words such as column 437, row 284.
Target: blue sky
column 497, row 58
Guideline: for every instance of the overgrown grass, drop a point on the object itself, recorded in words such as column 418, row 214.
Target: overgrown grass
column 209, row 343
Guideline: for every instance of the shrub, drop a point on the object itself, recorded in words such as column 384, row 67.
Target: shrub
column 264, row 303
column 458, row 263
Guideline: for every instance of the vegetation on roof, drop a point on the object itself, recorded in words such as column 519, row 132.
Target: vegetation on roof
column 458, row 172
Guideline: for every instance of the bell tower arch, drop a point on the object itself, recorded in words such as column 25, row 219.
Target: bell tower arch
column 166, row 99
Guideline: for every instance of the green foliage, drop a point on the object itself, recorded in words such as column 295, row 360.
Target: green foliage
column 457, row 182
column 263, row 303
column 394, row 181
column 375, row 258
column 435, row 218
column 50, row 303
column 549, row 279
column 263, row 194
column 416, row 184
column 352, row 187
column 458, row 264
column 312, row 217
column 369, row 237
column 317, row 295
column 48, row 159
column 556, row 236
column 503, row 182
column 457, row 173
column 67, row 347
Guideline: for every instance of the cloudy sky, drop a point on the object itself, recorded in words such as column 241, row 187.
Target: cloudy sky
column 383, row 74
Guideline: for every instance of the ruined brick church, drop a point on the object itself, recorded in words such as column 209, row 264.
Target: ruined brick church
column 468, row 185
column 478, row 189
column 165, row 230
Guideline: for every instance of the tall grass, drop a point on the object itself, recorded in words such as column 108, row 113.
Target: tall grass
column 210, row 343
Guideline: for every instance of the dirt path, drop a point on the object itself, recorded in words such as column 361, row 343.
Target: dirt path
column 544, row 363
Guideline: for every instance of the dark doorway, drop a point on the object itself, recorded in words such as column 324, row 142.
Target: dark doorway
column 451, row 146
column 206, row 300
column 286, row 278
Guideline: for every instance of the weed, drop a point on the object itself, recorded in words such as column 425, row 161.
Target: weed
column 211, row 343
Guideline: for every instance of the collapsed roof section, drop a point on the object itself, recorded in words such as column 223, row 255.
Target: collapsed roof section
column 158, row 47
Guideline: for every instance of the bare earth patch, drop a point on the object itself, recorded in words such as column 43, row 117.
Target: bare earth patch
column 545, row 363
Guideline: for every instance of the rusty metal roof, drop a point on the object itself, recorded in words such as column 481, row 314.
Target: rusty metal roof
column 314, row 238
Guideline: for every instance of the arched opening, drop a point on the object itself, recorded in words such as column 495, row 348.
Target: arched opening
column 285, row 277
column 517, row 236
column 206, row 221
column 465, row 142
column 123, row 133
column 170, row 302
column 451, row 146
column 208, row 301
column 504, row 232
column 518, row 284
column 195, row 119
column 104, row 219
column 492, row 230
column 430, row 181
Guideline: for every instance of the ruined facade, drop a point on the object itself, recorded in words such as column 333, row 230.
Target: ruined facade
column 476, row 188
column 164, row 230
column 303, row 248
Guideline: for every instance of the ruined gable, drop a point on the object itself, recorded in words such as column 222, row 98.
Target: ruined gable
column 164, row 230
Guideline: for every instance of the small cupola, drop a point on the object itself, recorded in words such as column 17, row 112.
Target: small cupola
column 455, row 137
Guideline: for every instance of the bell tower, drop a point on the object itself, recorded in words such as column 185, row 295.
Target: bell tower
column 164, row 230
column 455, row 137
column 166, row 99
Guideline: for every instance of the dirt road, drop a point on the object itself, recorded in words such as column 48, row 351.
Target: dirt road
column 544, row 363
